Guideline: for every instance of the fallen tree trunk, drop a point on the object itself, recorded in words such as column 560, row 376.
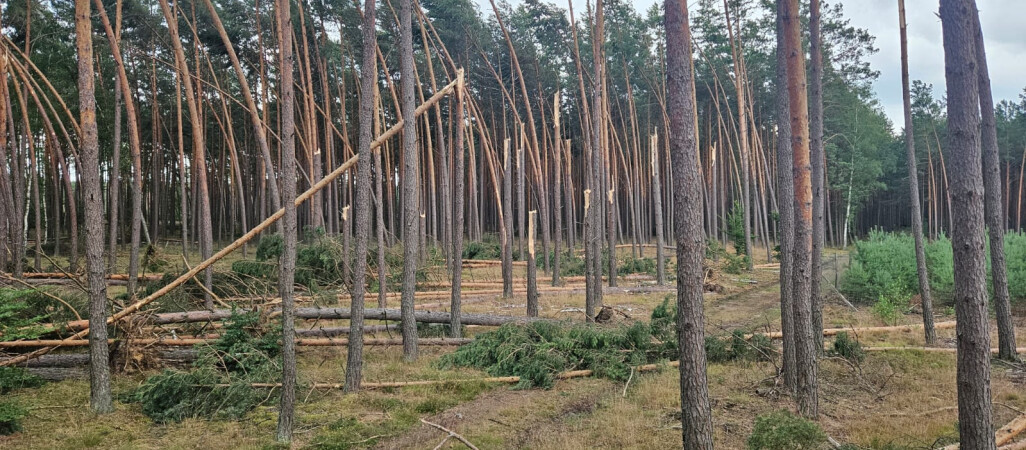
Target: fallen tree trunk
column 859, row 330
column 327, row 342
column 339, row 331
column 925, row 349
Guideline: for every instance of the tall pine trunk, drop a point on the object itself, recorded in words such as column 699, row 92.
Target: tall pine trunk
column 992, row 200
column 967, row 234
column 696, row 417
column 368, row 77
column 817, row 157
column 410, row 180
column 785, row 196
column 805, row 351
column 100, row 399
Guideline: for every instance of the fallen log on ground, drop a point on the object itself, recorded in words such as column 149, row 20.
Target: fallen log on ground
column 326, row 342
column 858, row 330
column 339, row 331
column 113, row 276
column 1005, row 434
column 927, row 349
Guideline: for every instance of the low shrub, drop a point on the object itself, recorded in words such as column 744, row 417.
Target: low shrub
column 10, row 418
column 12, row 378
column 782, row 430
column 848, row 348
column 637, row 265
column 735, row 264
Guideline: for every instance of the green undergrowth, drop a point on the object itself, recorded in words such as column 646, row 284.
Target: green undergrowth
column 782, row 430
column 10, row 418
column 23, row 311
column 539, row 351
column 883, row 267
column 12, row 413
column 219, row 384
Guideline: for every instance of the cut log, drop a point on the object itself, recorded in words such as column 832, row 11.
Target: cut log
column 325, row 332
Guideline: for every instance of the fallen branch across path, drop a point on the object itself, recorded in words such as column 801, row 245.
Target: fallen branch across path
column 451, row 434
column 860, row 330
column 926, row 349
column 1005, row 434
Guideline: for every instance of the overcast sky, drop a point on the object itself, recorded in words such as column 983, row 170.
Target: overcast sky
column 1004, row 29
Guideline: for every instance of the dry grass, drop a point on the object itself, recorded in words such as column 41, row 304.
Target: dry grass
column 893, row 400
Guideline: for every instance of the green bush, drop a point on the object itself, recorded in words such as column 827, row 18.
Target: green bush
column 490, row 250
column 848, row 348
column 270, row 247
column 782, row 430
column 10, row 418
column 884, row 264
column 735, row 264
column 637, row 265
column 736, row 227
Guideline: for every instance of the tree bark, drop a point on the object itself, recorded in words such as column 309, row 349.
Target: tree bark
column 287, row 261
column 805, row 351
column 967, row 235
column 993, row 201
column 557, row 191
column 817, row 157
column 657, row 200
column 507, row 221
column 368, row 78
column 410, row 179
column 913, row 181
column 785, row 194
column 100, row 399
column 696, row 417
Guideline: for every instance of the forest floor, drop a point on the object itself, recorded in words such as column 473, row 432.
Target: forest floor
column 893, row 400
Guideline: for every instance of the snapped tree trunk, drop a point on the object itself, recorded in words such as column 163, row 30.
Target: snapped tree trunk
column 458, row 205
column 696, row 417
column 967, row 235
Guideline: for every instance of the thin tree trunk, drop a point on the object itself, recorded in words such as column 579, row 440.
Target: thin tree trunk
column 532, row 268
column 507, row 221
column 100, row 399
column 254, row 113
column 557, row 191
column 455, row 330
column 817, row 156
column 696, row 416
column 368, row 79
column 287, row 262
column 805, row 351
column 992, row 200
column 205, row 228
column 960, row 32
column 410, row 180
column 658, row 207
column 913, row 181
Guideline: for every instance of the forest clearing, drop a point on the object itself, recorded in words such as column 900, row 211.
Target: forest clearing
column 490, row 224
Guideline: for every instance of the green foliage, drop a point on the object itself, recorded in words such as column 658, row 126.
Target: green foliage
column 848, row 348
column 538, row 351
column 890, row 307
column 12, row 378
column 571, row 265
column 489, row 250
column 270, row 247
column 17, row 318
column 219, row 386
column 10, row 418
column 782, row 430
column 713, row 249
column 637, row 265
column 173, row 396
column 736, row 227
column 884, row 265
column 735, row 264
